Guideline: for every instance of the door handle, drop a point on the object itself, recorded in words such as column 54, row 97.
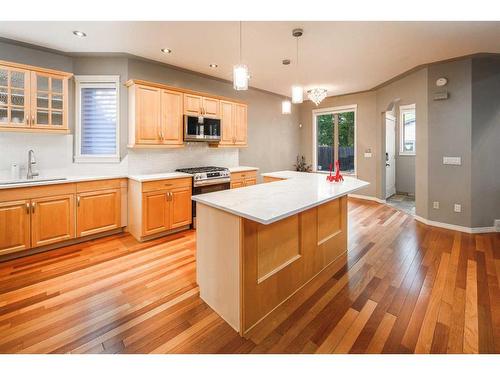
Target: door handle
column 33, row 207
column 32, row 119
column 78, row 201
column 387, row 165
column 27, row 208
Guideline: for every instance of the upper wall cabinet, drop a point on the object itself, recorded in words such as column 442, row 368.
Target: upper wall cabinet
column 197, row 105
column 155, row 117
column 234, row 124
column 33, row 99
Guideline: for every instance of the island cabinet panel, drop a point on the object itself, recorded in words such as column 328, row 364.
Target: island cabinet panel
column 52, row 219
column 280, row 258
column 15, row 224
column 98, row 211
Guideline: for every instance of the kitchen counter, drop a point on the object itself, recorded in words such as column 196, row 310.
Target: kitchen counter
column 54, row 180
column 267, row 203
column 258, row 245
column 242, row 169
column 159, row 176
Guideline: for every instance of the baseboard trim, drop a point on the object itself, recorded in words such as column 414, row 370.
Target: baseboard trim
column 456, row 227
column 367, row 197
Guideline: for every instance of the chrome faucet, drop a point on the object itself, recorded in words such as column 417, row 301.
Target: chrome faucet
column 32, row 172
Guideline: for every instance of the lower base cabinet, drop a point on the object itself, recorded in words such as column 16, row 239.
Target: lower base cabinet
column 242, row 179
column 98, row 211
column 157, row 207
column 15, row 226
column 33, row 217
column 52, row 219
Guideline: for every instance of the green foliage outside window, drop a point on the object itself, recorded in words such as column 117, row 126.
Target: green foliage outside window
column 346, row 126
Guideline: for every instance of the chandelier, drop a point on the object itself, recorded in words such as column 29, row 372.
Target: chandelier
column 317, row 95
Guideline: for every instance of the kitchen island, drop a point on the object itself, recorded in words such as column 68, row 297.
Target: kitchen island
column 258, row 245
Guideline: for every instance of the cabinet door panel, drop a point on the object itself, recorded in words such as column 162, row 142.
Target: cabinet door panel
column 98, row 211
column 155, row 212
column 49, row 101
column 240, row 124
column 211, row 107
column 237, row 184
column 227, row 122
column 14, row 97
column 192, row 104
column 171, row 117
column 250, row 181
column 52, row 219
column 147, row 114
column 14, row 226
column 180, row 211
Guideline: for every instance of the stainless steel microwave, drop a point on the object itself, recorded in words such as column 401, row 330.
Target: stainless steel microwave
column 201, row 129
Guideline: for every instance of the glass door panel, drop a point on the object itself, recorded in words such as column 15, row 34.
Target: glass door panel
column 49, row 103
column 14, row 106
column 325, row 141
column 346, row 141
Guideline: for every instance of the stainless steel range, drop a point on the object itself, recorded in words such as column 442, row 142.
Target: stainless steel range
column 207, row 180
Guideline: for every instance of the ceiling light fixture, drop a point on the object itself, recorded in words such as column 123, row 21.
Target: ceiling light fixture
column 286, row 107
column 79, row 34
column 166, row 50
column 317, row 95
column 240, row 71
column 297, row 90
column 213, row 66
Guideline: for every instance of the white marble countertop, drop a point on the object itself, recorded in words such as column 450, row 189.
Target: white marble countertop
column 53, row 180
column 159, row 176
column 242, row 169
column 273, row 201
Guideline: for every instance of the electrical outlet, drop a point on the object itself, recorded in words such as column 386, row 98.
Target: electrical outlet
column 457, row 207
column 435, row 205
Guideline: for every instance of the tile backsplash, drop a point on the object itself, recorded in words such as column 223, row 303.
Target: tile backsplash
column 54, row 156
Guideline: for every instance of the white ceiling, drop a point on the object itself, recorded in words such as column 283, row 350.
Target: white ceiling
column 340, row 56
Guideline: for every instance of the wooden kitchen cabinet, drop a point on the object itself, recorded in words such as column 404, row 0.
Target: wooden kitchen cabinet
column 242, row 179
column 98, row 211
column 233, row 124
column 33, row 99
column 159, row 207
column 15, row 216
column 52, row 219
column 197, row 105
column 155, row 117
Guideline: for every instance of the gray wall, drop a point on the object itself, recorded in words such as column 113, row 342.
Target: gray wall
column 450, row 135
column 485, row 176
column 273, row 138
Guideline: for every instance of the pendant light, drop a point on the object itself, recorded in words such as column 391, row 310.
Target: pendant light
column 286, row 107
column 297, row 90
column 240, row 72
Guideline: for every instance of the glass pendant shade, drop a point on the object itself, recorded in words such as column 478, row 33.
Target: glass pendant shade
column 240, row 77
column 317, row 95
column 286, row 107
column 297, row 94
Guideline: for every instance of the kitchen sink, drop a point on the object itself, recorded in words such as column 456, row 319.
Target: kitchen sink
column 35, row 180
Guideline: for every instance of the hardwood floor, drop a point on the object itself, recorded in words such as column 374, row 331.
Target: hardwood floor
column 407, row 288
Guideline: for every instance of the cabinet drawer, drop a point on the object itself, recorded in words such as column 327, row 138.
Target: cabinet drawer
column 166, row 184
column 98, row 185
column 242, row 175
column 30, row 192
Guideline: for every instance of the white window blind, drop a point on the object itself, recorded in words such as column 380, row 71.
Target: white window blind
column 97, row 119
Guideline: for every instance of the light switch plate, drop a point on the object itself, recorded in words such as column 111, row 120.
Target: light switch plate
column 452, row 160
column 457, row 207
column 368, row 154
column 435, row 205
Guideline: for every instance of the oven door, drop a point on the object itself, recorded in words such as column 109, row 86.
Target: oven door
column 207, row 188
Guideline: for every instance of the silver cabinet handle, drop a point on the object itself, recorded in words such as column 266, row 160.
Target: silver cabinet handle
column 78, row 201
column 33, row 207
column 27, row 208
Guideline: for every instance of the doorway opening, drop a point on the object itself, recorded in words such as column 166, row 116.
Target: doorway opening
column 400, row 151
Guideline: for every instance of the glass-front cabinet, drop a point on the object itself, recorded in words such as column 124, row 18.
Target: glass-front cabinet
column 33, row 100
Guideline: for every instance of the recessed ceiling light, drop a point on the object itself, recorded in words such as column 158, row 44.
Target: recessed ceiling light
column 79, row 34
column 166, row 50
column 213, row 66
